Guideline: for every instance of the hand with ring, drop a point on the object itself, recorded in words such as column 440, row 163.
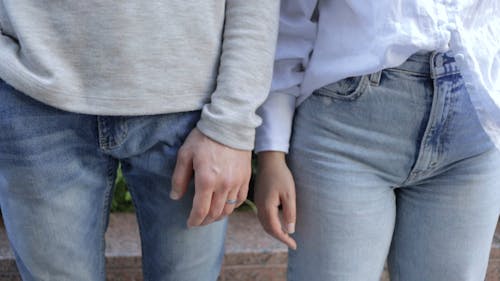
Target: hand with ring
column 231, row 201
column 221, row 177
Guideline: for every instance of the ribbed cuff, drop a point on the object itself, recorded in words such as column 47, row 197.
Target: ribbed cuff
column 237, row 137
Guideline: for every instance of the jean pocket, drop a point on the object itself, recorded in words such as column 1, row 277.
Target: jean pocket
column 348, row 89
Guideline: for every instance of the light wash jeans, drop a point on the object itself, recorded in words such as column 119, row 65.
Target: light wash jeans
column 57, row 171
column 394, row 164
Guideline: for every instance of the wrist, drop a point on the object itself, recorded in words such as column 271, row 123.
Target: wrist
column 266, row 158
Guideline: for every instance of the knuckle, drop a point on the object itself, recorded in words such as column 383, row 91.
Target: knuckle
column 287, row 196
column 229, row 184
column 230, row 190
column 245, row 188
column 213, row 214
column 216, row 170
column 200, row 213
column 206, row 180
column 242, row 196
column 183, row 155
column 224, row 188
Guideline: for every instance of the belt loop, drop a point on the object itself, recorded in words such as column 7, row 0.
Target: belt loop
column 433, row 63
column 375, row 78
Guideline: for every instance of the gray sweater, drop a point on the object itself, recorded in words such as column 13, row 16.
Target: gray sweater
column 134, row 57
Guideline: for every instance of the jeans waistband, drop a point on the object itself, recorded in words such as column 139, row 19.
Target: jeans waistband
column 434, row 64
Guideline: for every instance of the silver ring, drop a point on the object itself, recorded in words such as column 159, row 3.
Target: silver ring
column 231, row 201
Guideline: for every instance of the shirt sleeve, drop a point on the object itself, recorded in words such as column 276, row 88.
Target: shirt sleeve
column 245, row 72
column 296, row 38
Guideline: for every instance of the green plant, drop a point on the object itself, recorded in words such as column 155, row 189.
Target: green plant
column 122, row 200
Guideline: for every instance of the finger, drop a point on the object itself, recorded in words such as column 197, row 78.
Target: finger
column 201, row 207
column 204, row 186
column 182, row 175
column 289, row 212
column 229, row 206
column 269, row 218
column 242, row 195
column 216, row 208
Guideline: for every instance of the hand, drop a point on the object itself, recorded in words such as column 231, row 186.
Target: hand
column 220, row 174
column 274, row 186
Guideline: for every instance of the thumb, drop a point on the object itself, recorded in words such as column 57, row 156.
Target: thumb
column 182, row 175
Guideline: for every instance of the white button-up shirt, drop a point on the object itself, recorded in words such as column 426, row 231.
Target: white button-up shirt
column 323, row 41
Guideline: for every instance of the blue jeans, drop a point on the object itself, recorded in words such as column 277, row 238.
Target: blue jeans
column 57, row 171
column 394, row 164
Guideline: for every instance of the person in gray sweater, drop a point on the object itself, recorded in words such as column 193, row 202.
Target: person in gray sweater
column 167, row 89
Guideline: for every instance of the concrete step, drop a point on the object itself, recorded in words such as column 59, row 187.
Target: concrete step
column 251, row 255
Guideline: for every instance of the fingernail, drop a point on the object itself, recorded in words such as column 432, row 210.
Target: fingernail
column 290, row 228
column 174, row 195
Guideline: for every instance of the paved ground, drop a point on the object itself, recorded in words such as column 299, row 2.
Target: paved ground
column 251, row 255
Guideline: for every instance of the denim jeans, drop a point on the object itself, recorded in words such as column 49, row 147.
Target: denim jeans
column 394, row 165
column 57, row 171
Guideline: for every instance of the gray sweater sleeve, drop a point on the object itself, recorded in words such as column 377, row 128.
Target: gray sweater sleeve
column 245, row 73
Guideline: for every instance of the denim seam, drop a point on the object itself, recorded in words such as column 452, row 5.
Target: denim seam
column 104, row 133
column 450, row 100
column 359, row 91
column 416, row 170
column 432, row 63
column 102, row 130
column 375, row 78
column 444, row 73
column 110, row 180
column 405, row 71
column 435, row 74
column 123, row 132
column 140, row 223
column 420, row 168
column 425, row 148
column 442, row 69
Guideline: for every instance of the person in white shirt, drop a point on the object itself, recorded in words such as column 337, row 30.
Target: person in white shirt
column 393, row 149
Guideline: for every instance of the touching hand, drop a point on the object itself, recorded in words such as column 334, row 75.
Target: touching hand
column 221, row 177
column 274, row 186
